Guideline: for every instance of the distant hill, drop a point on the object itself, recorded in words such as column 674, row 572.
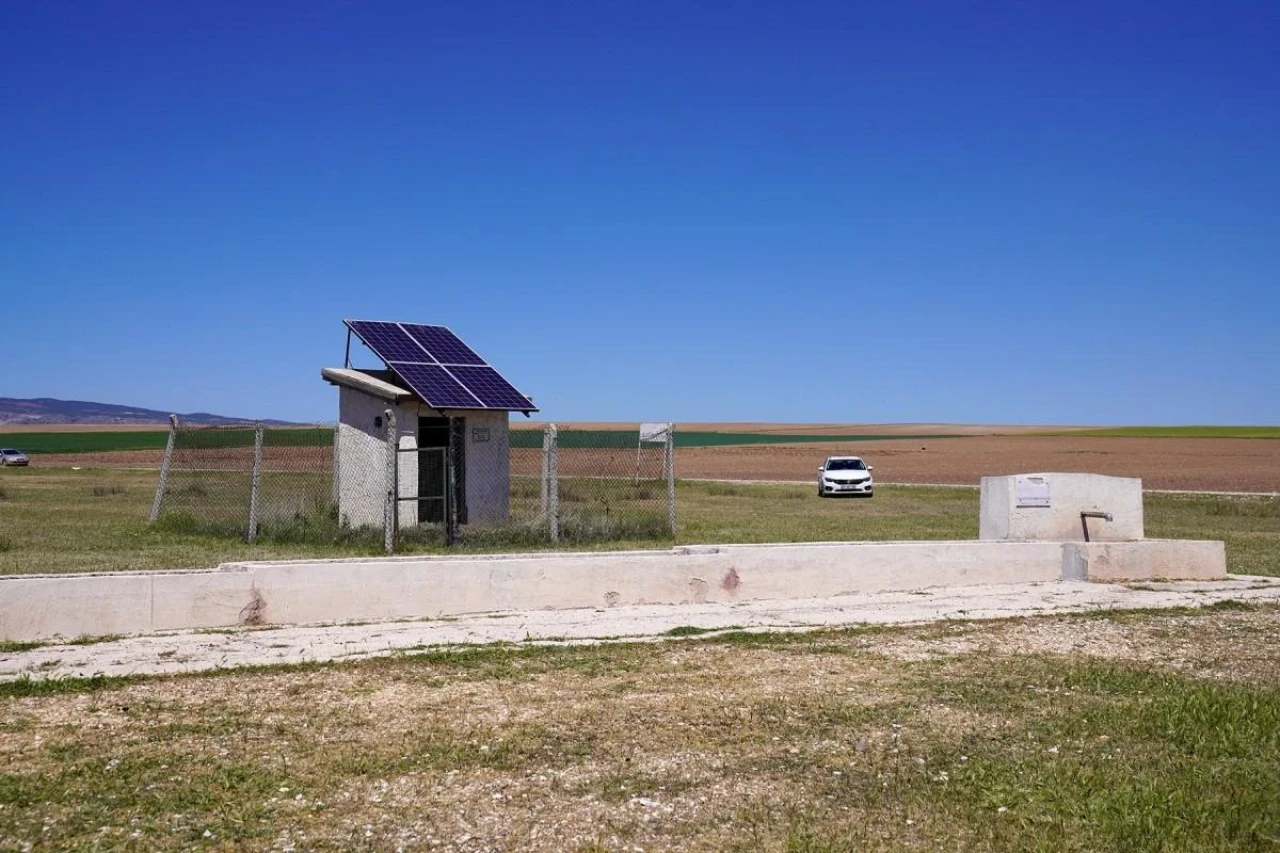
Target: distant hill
column 46, row 410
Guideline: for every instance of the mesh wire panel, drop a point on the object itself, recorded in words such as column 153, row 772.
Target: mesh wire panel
column 210, row 478
column 566, row 487
column 209, row 484
column 610, row 487
column 296, row 484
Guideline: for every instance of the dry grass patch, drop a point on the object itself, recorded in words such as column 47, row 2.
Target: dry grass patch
column 1054, row 733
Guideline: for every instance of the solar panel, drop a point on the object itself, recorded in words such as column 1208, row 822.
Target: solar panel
column 487, row 384
column 444, row 345
column 438, row 367
column 435, row 386
column 389, row 341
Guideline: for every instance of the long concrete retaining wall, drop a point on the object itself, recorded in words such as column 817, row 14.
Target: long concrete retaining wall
column 37, row 607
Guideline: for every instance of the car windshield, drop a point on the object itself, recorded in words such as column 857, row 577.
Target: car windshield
column 8, row 451
column 846, row 465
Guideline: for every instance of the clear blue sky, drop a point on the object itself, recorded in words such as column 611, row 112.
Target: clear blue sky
column 947, row 211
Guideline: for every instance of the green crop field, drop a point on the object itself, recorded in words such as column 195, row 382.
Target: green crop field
column 107, row 441
column 693, row 438
column 58, row 519
column 1177, row 432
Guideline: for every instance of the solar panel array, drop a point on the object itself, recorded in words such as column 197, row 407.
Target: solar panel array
column 439, row 367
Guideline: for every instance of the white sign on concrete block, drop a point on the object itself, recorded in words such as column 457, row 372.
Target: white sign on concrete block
column 1009, row 507
column 654, row 433
column 1032, row 491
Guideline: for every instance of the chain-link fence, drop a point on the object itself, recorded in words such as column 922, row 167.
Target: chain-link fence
column 247, row 479
column 402, row 482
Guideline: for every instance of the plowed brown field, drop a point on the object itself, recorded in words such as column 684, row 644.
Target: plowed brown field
column 1200, row 464
column 1197, row 464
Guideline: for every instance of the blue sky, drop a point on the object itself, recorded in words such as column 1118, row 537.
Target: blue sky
column 958, row 212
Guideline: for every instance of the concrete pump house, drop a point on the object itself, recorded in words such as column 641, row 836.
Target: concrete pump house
column 442, row 397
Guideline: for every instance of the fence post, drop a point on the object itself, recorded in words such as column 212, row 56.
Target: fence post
column 391, row 508
column 669, row 463
column 451, row 485
column 164, row 469
column 255, row 484
column 545, row 481
column 337, row 469
column 553, row 482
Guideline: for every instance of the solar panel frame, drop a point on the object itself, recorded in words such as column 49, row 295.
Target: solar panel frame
column 437, row 387
column 464, row 381
column 489, row 386
column 442, row 344
column 390, row 342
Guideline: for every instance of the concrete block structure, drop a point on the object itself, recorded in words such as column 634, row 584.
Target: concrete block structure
column 448, row 411
column 423, row 434
column 1047, row 507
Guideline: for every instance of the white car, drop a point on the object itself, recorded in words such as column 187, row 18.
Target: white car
column 845, row 475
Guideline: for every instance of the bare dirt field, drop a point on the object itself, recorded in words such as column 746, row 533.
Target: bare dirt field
column 1193, row 464
column 1197, row 464
column 758, row 427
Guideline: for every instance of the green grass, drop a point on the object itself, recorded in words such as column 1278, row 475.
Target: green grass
column 55, row 522
column 839, row 740
column 96, row 520
column 1125, row 759
column 1250, row 527
column 107, row 441
column 1178, row 432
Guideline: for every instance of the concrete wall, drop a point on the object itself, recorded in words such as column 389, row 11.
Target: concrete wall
column 44, row 606
column 1070, row 494
column 488, row 455
column 1155, row 559
column 361, row 468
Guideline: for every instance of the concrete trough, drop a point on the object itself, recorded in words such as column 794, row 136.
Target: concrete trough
column 43, row 607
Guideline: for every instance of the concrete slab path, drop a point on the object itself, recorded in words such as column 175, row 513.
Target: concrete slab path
column 205, row 650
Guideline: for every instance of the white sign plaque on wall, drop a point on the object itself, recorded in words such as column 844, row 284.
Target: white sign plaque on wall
column 479, row 434
column 1031, row 491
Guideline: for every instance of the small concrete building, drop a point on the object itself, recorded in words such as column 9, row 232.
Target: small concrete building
column 442, row 398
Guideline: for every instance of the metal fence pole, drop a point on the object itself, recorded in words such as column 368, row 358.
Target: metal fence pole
column 545, row 507
column 391, row 507
column 669, row 463
column 451, row 486
column 553, row 482
column 164, row 469
column 255, row 484
column 337, row 469
column 671, row 478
